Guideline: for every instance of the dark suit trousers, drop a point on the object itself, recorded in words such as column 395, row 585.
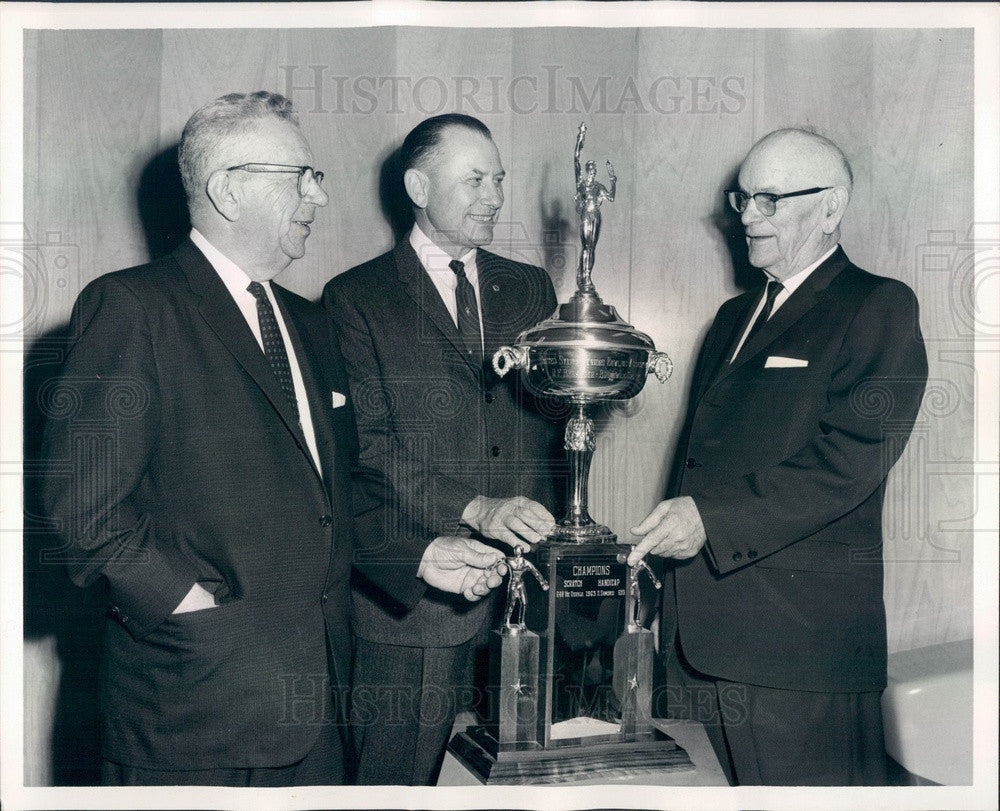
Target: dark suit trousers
column 323, row 766
column 768, row 737
column 403, row 707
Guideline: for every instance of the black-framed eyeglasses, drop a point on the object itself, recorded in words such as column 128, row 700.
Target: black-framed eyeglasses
column 765, row 201
column 305, row 173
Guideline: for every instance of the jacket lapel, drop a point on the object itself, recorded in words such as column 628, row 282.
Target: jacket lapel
column 494, row 302
column 725, row 334
column 418, row 285
column 317, row 393
column 799, row 303
column 224, row 318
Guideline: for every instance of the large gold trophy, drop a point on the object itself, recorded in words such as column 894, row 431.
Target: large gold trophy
column 572, row 669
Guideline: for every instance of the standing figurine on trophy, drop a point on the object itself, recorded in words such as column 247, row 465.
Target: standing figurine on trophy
column 517, row 595
column 575, row 679
column 590, row 194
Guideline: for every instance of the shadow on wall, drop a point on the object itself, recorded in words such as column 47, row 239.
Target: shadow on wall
column 396, row 206
column 727, row 223
column 162, row 204
column 53, row 606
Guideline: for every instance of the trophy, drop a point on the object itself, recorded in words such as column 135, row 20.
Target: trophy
column 572, row 665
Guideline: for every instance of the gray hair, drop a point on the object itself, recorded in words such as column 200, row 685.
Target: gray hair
column 207, row 131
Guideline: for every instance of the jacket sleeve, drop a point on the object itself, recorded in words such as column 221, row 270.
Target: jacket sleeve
column 102, row 432
column 400, row 505
column 873, row 397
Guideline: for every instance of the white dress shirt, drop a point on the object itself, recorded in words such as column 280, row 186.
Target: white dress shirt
column 236, row 282
column 789, row 286
column 435, row 262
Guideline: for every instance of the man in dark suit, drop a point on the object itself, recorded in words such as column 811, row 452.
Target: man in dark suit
column 200, row 442
column 803, row 398
column 455, row 448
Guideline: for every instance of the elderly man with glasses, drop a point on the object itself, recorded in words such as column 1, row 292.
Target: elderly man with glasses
column 803, row 398
column 202, row 473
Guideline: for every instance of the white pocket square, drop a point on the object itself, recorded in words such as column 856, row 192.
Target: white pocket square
column 337, row 399
column 778, row 362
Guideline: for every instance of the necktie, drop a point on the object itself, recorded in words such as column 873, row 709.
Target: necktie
column 773, row 288
column 468, row 312
column 274, row 346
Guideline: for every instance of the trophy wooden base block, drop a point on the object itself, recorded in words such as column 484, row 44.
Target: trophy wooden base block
column 477, row 750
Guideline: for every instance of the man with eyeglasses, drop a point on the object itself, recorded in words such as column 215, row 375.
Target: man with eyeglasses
column 803, row 397
column 202, row 473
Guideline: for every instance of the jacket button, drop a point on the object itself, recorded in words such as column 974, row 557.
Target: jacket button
column 690, row 463
column 325, row 597
column 495, row 450
column 489, row 397
column 751, row 553
column 325, row 520
column 737, row 556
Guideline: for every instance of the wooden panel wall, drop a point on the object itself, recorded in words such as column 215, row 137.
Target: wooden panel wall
column 674, row 109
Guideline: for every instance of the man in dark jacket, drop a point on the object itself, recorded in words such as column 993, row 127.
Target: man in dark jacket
column 803, row 398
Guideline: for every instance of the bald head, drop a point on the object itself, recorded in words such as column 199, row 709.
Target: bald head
column 802, row 227
column 806, row 154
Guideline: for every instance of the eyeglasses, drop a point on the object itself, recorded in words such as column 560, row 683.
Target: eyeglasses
column 766, row 202
column 305, row 173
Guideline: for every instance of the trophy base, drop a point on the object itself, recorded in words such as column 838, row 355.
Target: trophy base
column 586, row 533
column 478, row 750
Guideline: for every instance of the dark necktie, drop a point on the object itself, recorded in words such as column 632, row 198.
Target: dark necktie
column 274, row 346
column 773, row 288
column 468, row 312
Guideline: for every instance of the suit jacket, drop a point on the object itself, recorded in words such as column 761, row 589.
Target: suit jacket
column 174, row 458
column 787, row 465
column 436, row 429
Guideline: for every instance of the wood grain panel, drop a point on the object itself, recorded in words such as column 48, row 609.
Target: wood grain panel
column 683, row 238
column 351, row 136
column 823, row 79
column 97, row 123
column 921, row 216
column 201, row 65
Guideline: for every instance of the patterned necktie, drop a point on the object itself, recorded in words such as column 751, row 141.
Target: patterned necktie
column 773, row 288
column 468, row 312
column 274, row 346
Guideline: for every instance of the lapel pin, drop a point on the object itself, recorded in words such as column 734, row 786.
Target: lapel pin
column 496, row 288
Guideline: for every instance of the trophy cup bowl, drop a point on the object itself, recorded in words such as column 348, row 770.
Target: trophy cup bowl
column 583, row 363
column 585, row 355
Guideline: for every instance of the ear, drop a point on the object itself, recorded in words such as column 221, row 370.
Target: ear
column 223, row 194
column 834, row 208
column 417, row 184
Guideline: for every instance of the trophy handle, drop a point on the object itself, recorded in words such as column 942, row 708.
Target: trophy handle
column 658, row 364
column 509, row 357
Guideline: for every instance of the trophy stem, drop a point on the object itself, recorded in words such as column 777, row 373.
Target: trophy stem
column 580, row 444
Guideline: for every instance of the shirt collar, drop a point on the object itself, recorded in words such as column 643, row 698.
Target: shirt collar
column 235, row 279
column 436, row 260
column 792, row 282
